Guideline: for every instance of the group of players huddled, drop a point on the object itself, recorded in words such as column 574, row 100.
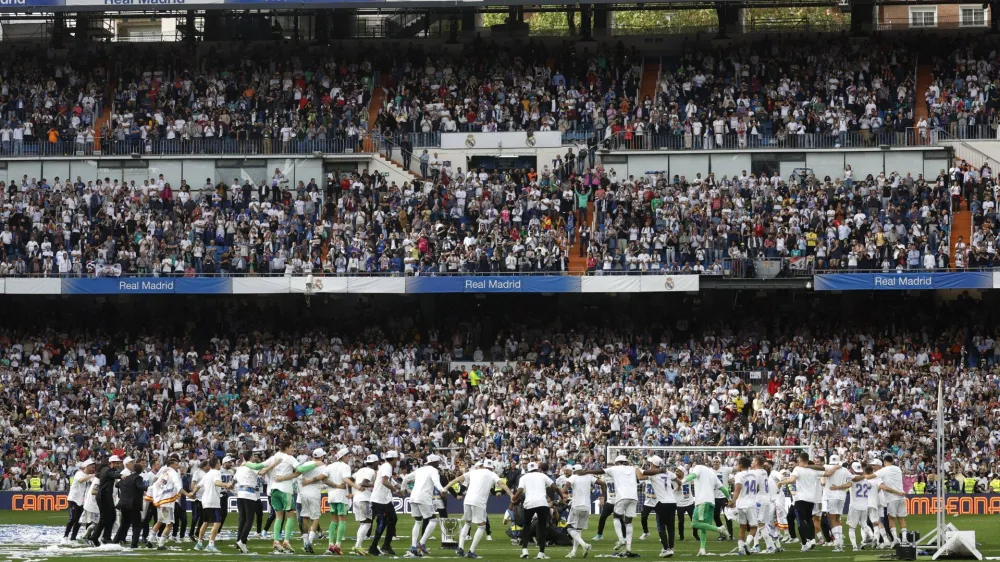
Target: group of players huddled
column 766, row 502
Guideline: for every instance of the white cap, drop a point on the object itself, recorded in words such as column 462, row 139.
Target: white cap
column 532, row 466
column 621, row 458
column 577, row 467
column 86, row 463
column 302, row 458
column 488, row 464
column 226, row 459
column 371, row 458
column 115, row 458
column 877, row 462
column 319, row 453
column 432, row 458
column 856, row 466
column 834, row 459
column 390, row 455
column 342, row 452
column 655, row 460
column 128, row 460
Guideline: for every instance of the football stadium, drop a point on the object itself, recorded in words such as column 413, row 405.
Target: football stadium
column 492, row 279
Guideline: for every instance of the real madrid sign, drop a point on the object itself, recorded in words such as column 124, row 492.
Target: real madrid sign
column 501, row 141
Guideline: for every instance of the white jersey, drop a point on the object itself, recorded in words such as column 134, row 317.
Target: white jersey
column 807, row 485
column 862, row 495
column 90, row 497
column 535, row 486
column 78, row 491
column 479, row 482
column 314, row 490
column 364, row 474
column 337, row 473
column 838, row 478
column 892, row 477
column 196, row 475
column 167, row 487
column 626, row 483
column 771, row 488
column 246, row 483
column 685, row 494
column 875, row 499
column 747, row 481
column 662, row 486
column 705, row 483
column 286, row 465
column 426, row 480
column 723, row 475
column 208, row 491
column 610, row 484
column 582, row 485
column 380, row 493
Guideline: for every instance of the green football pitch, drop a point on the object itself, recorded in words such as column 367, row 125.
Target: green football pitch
column 35, row 536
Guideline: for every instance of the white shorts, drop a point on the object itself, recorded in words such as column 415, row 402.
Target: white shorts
column 165, row 514
column 747, row 515
column 857, row 516
column 626, row 508
column 897, row 508
column 579, row 518
column 766, row 513
column 875, row 514
column 836, row 507
column 89, row 517
column 780, row 510
column 474, row 514
column 309, row 507
column 423, row 510
column 362, row 511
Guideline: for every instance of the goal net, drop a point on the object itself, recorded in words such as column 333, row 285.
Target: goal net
column 782, row 456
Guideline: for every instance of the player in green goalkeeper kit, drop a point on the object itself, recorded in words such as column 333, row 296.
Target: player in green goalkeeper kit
column 705, row 484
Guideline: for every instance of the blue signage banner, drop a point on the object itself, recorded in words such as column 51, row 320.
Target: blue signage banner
column 145, row 286
column 511, row 284
column 204, row 286
column 904, row 281
column 28, row 4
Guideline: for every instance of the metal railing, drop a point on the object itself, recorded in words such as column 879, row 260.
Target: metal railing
column 624, row 141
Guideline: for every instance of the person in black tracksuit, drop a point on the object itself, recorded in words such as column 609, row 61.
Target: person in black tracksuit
column 106, row 479
column 130, row 492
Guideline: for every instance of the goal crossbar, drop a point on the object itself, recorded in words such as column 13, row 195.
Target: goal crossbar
column 673, row 450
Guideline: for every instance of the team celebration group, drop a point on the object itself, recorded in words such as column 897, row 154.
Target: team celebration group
column 772, row 499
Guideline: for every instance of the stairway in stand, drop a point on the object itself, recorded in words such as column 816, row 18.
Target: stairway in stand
column 961, row 225
column 650, row 74
column 924, row 80
column 578, row 265
column 104, row 118
column 376, row 103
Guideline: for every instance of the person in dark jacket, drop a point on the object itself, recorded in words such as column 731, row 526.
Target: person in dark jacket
column 106, row 478
column 130, row 491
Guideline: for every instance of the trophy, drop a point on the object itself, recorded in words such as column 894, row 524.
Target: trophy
column 449, row 532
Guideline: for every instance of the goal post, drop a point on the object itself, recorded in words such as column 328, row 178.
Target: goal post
column 689, row 456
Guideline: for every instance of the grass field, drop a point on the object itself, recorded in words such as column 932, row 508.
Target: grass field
column 31, row 536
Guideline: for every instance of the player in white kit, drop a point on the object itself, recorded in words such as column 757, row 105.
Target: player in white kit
column 836, row 475
column 479, row 482
column 581, row 486
column 626, row 481
column 892, row 477
column 745, row 501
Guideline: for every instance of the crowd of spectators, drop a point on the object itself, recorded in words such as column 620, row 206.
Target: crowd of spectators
column 244, row 99
column 789, row 91
column 49, row 103
column 460, row 221
column 682, row 224
column 962, row 97
column 839, row 374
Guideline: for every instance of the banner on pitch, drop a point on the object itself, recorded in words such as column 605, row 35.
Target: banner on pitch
column 904, row 281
